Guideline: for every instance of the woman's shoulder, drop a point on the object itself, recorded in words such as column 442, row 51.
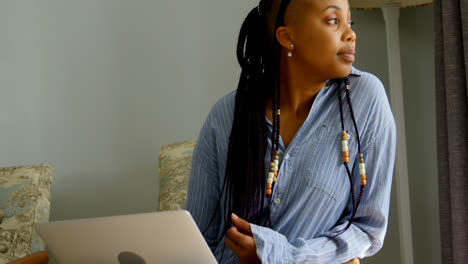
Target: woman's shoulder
column 223, row 109
column 367, row 84
column 227, row 101
column 370, row 100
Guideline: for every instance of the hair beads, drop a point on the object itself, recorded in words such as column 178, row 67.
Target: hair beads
column 272, row 174
column 344, row 146
column 362, row 170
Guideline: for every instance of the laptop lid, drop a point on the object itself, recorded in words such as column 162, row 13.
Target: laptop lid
column 159, row 237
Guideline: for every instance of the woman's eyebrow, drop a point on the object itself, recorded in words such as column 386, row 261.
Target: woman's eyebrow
column 332, row 6
column 335, row 7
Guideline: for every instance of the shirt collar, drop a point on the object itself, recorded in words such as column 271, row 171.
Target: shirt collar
column 355, row 71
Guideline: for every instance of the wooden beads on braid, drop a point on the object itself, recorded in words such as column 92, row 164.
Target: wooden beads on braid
column 362, row 166
column 344, row 146
column 362, row 169
column 272, row 174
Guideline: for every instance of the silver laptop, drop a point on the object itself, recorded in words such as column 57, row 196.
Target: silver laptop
column 160, row 237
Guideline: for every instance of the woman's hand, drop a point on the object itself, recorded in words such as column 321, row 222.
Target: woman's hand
column 240, row 240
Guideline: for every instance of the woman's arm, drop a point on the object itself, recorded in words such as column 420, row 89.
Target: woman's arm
column 203, row 189
column 239, row 239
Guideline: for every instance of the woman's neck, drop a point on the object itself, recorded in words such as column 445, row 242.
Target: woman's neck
column 298, row 88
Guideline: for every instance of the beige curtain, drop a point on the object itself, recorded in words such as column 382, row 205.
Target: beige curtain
column 451, row 55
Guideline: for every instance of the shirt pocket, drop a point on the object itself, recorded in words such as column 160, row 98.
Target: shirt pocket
column 325, row 171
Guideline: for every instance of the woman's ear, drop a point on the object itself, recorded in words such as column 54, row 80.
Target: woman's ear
column 283, row 35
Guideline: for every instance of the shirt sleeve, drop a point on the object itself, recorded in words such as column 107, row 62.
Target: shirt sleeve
column 203, row 188
column 366, row 234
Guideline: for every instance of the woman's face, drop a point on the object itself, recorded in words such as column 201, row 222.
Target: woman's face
column 321, row 32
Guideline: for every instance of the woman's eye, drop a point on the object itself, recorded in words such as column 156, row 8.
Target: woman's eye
column 333, row 21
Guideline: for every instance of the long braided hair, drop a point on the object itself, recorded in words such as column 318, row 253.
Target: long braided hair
column 259, row 57
column 245, row 181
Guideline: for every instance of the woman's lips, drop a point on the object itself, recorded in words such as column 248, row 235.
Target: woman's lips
column 347, row 56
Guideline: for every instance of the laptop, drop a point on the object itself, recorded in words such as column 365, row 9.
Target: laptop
column 159, row 237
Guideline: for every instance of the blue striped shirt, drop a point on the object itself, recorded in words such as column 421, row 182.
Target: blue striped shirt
column 311, row 199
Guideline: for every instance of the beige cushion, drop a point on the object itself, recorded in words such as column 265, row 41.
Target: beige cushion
column 24, row 200
column 175, row 161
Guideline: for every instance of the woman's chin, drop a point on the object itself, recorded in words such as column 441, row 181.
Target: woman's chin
column 344, row 70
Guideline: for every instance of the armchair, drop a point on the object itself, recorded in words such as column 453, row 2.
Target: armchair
column 24, row 201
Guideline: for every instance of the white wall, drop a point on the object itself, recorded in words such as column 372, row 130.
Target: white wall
column 95, row 88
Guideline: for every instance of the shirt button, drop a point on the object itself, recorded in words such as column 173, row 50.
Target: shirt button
column 287, row 156
column 277, row 201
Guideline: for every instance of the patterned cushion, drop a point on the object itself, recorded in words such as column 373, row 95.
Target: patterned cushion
column 175, row 161
column 24, row 200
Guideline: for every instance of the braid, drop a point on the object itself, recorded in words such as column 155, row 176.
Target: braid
column 355, row 204
column 248, row 139
column 244, row 180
